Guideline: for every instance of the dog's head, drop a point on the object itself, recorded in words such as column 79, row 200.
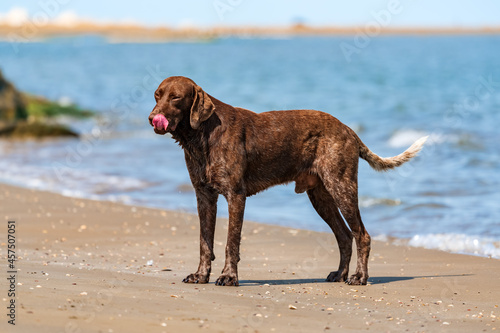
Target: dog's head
column 179, row 100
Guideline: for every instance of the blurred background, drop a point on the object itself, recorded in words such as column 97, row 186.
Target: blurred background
column 78, row 77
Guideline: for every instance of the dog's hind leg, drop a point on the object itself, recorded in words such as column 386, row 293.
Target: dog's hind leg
column 352, row 215
column 325, row 206
column 345, row 193
column 340, row 178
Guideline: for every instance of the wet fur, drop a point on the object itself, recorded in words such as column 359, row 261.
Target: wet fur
column 238, row 153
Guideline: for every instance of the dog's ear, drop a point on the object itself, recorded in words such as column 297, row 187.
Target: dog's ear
column 202, row 107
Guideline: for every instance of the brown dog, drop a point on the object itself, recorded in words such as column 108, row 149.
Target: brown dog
column 238, row 153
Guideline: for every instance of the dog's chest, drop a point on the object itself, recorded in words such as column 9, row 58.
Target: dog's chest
column 223, row 172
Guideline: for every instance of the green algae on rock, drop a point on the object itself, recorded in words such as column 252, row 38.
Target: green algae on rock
column 27, row 116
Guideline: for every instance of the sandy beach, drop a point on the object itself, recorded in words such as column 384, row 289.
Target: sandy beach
column 91, row 266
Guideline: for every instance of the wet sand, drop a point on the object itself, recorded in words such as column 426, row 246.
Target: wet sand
column 90, row 266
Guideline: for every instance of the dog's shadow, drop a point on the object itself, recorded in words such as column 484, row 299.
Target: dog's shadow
column 371, row 281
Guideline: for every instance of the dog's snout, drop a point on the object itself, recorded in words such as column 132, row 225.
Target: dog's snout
column 151, row 116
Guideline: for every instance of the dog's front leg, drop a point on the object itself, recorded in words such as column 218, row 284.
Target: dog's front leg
column 229, row 277
column 207, row 212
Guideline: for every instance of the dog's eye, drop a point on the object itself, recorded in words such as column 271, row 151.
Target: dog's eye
column 175, row 98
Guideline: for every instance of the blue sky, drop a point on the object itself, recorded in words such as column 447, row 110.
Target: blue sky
column 433, row 13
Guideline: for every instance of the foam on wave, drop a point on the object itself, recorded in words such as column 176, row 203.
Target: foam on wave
column 458, row 243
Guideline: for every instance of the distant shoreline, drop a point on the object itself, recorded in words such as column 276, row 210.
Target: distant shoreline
column 135, row 33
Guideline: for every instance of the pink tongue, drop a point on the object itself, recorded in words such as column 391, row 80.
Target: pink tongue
column 160, row 122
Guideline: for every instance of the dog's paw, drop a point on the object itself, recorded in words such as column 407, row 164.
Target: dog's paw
column 227, row 280
column 336, row 277
column 357, row 279
column 197, row 278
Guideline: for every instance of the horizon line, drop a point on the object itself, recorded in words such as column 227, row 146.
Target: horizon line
column 131, row 32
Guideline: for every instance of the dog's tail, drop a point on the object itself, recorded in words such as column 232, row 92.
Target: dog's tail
column 386, row 163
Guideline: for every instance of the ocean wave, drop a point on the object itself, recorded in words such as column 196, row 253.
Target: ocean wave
column 458, row 243
column 453, row 243
column 430, row 205
column 365, row 202
column 406, row 137
column 71, row 182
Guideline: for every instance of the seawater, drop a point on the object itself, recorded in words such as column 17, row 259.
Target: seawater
column 391, row 92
